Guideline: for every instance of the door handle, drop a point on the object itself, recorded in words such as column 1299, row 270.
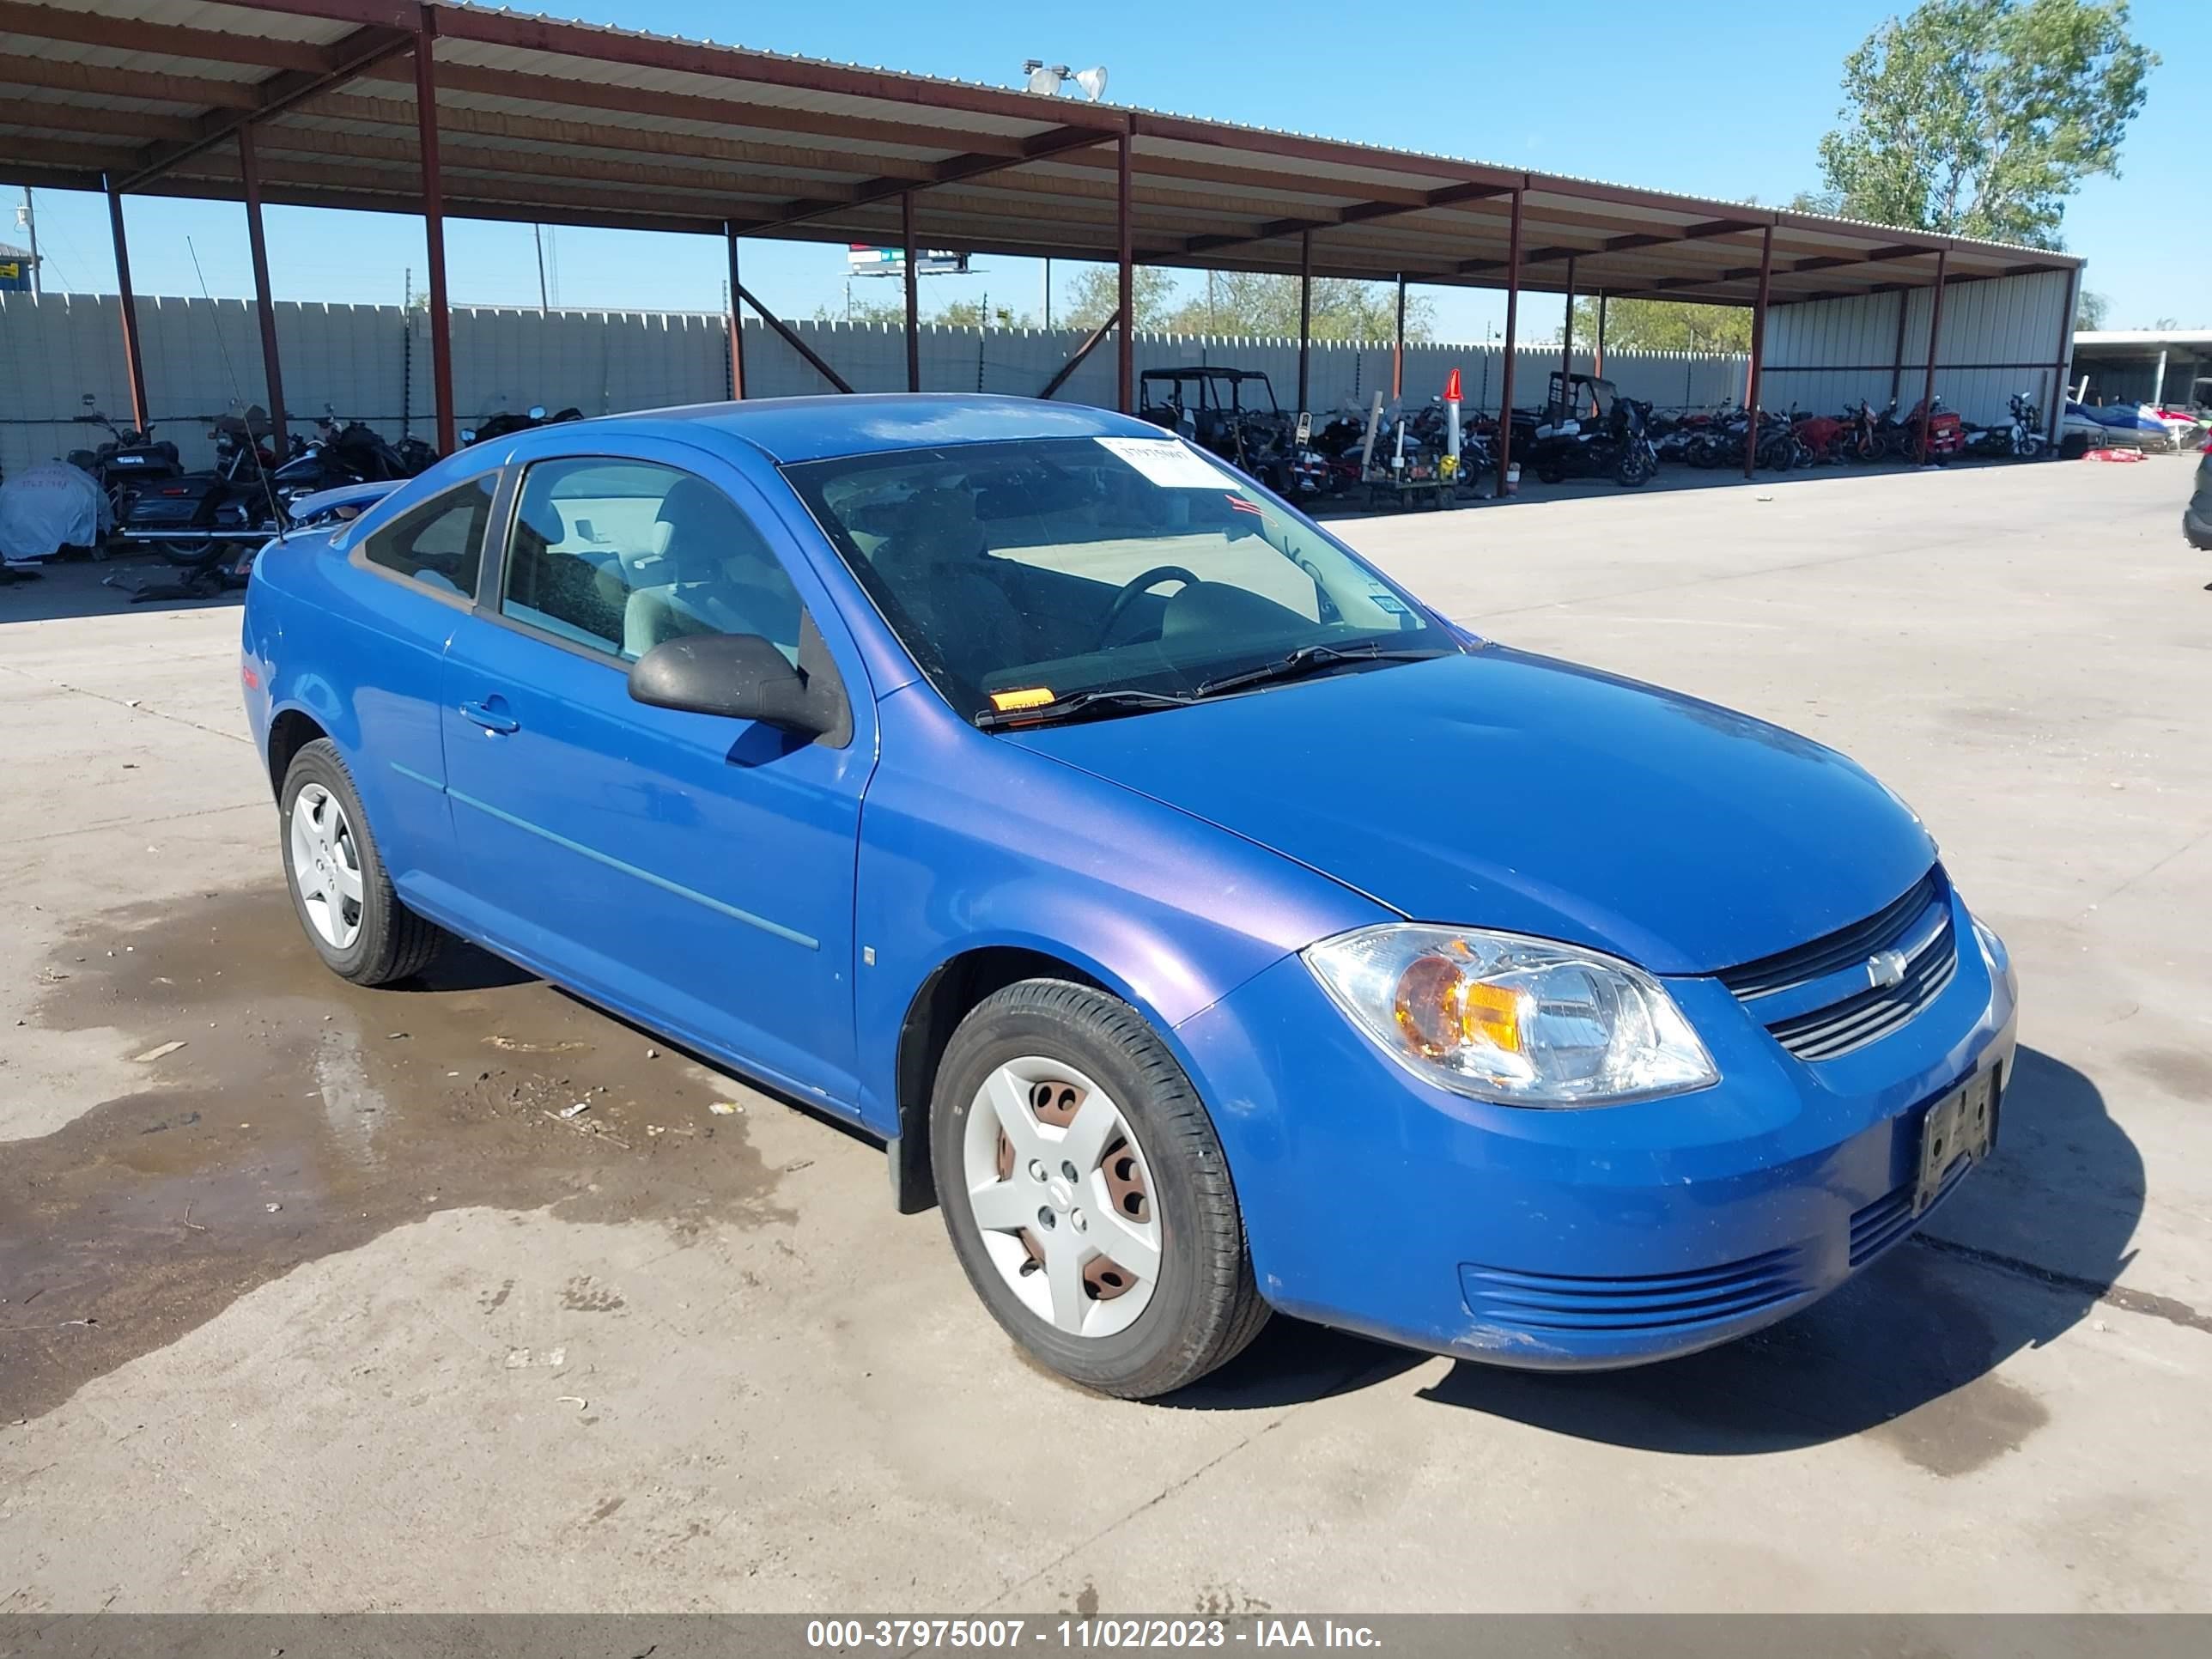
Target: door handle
column 491, row 719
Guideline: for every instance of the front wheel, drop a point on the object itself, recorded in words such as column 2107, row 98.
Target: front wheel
column 1086, row 1194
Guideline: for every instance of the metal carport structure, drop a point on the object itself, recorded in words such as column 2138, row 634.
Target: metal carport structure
column 442, row 109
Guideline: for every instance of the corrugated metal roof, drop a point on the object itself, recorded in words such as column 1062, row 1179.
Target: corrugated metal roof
column 547, row 119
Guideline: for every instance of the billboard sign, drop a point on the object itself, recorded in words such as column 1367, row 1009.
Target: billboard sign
column 864, row 260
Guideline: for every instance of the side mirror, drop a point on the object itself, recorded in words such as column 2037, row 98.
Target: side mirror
column 739, row 677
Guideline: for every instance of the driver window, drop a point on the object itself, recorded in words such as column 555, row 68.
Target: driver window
column 619, row 556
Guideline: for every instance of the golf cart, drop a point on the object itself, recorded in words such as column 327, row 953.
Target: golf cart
column 1587, row 429
column 1220, row 409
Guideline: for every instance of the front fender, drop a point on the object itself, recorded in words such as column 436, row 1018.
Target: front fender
column 970, row 843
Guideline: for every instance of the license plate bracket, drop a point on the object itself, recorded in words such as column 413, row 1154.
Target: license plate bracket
column 1962, row 1124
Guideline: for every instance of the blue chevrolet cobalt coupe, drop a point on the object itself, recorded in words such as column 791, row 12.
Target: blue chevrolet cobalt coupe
column 1207, row 925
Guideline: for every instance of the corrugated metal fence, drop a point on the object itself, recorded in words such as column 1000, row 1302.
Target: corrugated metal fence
column 1998, row 338
column 62, row 355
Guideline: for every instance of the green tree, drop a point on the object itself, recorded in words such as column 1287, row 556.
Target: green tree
column 1096, row 292
column 1663, row 326
column 2090, row 311
column 979, row 312
column 1255, row 303
column 1979, row 118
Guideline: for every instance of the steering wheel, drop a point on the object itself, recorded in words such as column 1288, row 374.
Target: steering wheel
column 1132, row 589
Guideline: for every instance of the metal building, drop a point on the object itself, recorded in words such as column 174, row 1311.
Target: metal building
column 411, row 107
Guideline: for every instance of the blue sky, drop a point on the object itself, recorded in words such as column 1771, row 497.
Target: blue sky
column 1717, row 99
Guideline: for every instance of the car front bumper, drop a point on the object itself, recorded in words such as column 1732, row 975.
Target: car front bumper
column 1577, row 1239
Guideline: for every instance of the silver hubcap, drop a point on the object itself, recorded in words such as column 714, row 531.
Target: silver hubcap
column 1060, row 1190
column 326, row 866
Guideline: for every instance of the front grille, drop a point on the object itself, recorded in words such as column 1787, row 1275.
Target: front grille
column 1558, row 1303
column 1851, row 1011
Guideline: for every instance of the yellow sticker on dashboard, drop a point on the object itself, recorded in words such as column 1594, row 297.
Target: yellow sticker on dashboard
column 1034, row 697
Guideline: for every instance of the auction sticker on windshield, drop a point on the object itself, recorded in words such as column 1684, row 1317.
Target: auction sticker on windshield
column 1167, row 463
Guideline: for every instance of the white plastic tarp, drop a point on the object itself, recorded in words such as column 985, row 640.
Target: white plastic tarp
column 48, row 508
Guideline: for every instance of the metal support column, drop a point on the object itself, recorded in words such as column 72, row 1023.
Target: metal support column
column 913, row 293
column 1305, row 318
column 736, row 318
column 1751, row 388
column 2060, row 364
column 1897, row 367
column 1398, row 345
column 250, row 171
column 1567, row 329
column 1126, row 376
column 1597, row 362
column 1935, row 331
column 1512, row 319
column 133, row 361
column 434, row 231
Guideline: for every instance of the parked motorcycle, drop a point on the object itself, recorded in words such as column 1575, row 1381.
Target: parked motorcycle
column 347, row 452
column 1590, row 431
column 504, row 425
column 126, row 463
column 191, row 518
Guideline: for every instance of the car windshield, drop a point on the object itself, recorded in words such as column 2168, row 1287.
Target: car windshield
column 1025, row 575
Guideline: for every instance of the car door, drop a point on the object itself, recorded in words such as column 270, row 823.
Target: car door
column 379, row 634
column 693, row 871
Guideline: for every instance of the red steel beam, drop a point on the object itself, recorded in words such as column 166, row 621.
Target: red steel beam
column 1398, row 346
column 1616, row 245
column 1512, row 319
column 1935, row 329
column 360, row 51
column 954, row 171
column 1091, row 344
column 1305, row 318
column 785, row 333
column 1567, row 331
column 86, row 28
column 736, row 321
column 434, row 231
column 1758, row 351
column 133, row 361
column 249, row 168
column 1126, row 374
column 2064, row 360
column 913, row 293
column 1359, row 213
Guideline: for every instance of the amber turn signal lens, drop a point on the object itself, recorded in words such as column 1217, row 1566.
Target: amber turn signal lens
column 1440, row 1011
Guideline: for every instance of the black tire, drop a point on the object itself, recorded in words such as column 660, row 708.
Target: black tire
column 393, row 943
column 1205, row 1307
column 1550, row 475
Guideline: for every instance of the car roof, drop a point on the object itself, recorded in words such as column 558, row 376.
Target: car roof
column 790, row 429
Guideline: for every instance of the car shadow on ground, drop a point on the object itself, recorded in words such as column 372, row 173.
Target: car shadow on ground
column 1926, row 1327
column 1927, row 1324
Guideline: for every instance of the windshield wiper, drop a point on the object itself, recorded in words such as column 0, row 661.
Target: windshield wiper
column 1307, row 659
column 1077, row 705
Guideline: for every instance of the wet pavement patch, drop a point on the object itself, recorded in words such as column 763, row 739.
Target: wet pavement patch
column 288, row 1115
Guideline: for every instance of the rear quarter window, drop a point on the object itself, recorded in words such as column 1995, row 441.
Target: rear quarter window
column 440, row 543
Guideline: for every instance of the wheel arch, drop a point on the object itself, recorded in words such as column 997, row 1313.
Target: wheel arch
column 291, row 731
column 947, row 992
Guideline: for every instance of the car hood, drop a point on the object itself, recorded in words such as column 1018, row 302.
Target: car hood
column 1504, row 790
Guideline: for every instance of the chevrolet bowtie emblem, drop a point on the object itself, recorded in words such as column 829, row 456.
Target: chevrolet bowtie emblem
column 1886, row 968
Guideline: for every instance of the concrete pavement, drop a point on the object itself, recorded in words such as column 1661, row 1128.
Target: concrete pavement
column 323, row 1311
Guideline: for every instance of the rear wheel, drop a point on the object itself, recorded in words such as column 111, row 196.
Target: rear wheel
column 340, row 889
column 1086, row 1194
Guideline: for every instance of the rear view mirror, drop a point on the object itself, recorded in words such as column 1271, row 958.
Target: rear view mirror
column 738, row 677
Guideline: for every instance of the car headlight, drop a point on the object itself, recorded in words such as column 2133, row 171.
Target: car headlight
column 1522, row 1022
